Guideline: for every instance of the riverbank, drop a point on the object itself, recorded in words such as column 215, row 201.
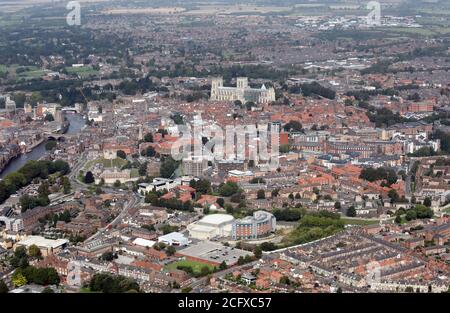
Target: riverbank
column 34, row 145
column 75, row 124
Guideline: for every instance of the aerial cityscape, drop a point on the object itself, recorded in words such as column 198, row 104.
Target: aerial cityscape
column 224, row 146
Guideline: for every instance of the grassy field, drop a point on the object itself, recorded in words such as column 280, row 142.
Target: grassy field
column 426, row 32
column 410, row 31
column 196, row 266
column 106, row 163
column 134, row 173
column 349, row 221
column 32, row 74
column 25, row 72
column 83, row 72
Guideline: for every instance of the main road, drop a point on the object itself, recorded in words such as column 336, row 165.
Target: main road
column 135, row 199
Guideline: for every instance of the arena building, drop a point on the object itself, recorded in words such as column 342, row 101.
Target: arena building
column 261, row 224
column 210, row 226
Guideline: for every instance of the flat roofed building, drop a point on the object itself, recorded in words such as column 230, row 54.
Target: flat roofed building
column 47, row 246
column 210, row 226
column 213, row 253
column 143, row 242
column 174, row 239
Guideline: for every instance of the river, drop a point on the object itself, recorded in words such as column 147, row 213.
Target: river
column 76, row 124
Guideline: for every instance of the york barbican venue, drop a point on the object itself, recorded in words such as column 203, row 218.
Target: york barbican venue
column 215, row 226
column 211, row 226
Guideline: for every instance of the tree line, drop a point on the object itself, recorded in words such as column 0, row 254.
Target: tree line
column 31, row 170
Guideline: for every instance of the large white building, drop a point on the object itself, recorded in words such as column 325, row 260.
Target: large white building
column 159, row 184
column 174, row 239
column 47, row 246
column 210, row 226
column 242, row 92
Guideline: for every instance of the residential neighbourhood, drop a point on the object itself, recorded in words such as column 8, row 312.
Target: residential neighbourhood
column 225, row 148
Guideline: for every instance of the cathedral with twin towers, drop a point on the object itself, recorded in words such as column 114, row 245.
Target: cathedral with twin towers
column 242, row 92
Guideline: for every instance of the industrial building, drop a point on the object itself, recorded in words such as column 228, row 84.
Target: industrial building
column 174, row 239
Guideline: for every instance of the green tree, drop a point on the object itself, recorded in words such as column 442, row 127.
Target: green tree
column 228, row 189
column 177, row 118
column 351, row 211
column 27, row 203
column 393, row 195
column 34, row 252
column 223, row 266
column 168, row 167
column 285, row 280
column 293, row 126
column 170, row 250
column 50, row 145
column 261, row 194
column 148, row 152
column 427, row 202
column 148, row 137
column 258, row 252
column 65, row 182
column 89, row 178
column 107, row 283
column 18, row 279
column 121, row 154
column 107, row 256
column 3, row 287
column 20, row 258
column 411, row 215
column 220, row 202
column 204, row 271
column 49, row 117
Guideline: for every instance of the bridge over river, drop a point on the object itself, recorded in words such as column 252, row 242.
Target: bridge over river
column 76, row 125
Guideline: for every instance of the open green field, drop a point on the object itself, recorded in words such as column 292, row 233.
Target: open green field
column 32, row 74
column 426, row 32
column 83, row 72
column 23, row 72
column 134, row 173
column 196, row 266
column 118, row 162
column 362, row 222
